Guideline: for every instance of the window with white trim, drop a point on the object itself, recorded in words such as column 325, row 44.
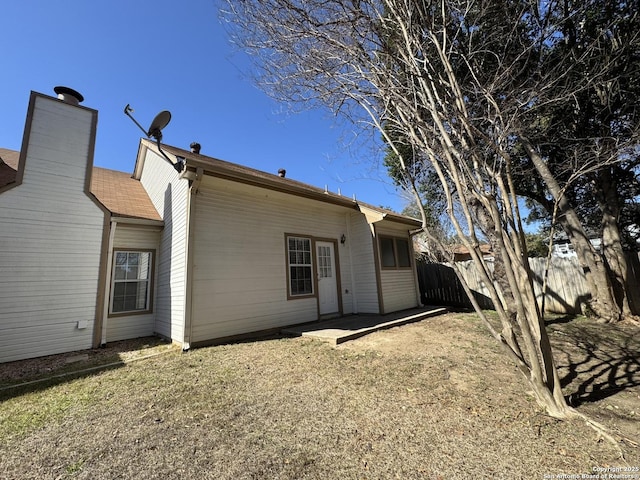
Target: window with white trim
column 131, row 282
column 395, row 252
column 300, row 266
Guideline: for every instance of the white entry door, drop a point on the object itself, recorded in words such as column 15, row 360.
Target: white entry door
column 327, row 281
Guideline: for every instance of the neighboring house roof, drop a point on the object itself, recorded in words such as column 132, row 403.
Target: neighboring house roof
column 121, row 194
column 461, row 253
column 8, row 166
column 251, row 176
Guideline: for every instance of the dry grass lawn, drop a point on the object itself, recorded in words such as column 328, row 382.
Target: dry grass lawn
column 430, row 400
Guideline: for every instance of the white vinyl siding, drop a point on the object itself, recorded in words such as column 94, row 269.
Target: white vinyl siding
column 398, row 290
column 136, row 237
column 169, row 195
column 50, row 240
column 364, row 268
column 122, row 327
column 398, row 282
column 240, row 276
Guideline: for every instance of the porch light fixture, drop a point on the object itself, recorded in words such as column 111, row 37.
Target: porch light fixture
column 155, row 131
column 343, row 239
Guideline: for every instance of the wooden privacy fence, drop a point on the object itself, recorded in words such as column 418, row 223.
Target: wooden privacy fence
column 566, row 284
column 439, row 285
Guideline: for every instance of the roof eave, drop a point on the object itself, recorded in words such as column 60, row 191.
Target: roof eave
column 276, row 183
column 225, row 170
column 119, row 218
column 374, row 215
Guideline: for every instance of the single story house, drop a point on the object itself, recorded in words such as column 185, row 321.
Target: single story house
column 205, row 255
column 563, row 248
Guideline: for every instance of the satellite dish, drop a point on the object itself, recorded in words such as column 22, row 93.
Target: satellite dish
column 155, row 131
column 161, row 121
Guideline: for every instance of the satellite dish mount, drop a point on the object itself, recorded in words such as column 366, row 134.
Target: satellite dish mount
column 155, row 131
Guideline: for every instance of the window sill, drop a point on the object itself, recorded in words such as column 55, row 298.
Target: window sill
column 132, row 313
column 298, row 297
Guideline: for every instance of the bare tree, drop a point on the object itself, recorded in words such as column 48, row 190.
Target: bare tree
column 440, row 75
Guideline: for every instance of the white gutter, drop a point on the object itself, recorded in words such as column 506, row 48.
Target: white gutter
column 138, row 221
column 191, row 213
column 107, row 286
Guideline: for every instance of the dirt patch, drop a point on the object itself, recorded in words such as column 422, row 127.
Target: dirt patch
column 600, row 369
column 115, row 352
column 599, row 364
column 431, row 400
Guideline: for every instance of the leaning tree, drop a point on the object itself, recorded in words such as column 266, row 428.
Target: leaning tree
column 582, row 137
column 449, row 79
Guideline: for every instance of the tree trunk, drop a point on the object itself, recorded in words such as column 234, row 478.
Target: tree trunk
column 602, row 300
column 602, row 303
column 624, row 284
column 543, row 374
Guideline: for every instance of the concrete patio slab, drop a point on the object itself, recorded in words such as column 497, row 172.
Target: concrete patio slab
column 339, row 330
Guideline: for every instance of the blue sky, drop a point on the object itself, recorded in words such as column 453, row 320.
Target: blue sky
column 167, row 55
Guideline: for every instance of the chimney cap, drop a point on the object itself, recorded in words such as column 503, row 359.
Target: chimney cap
column 68, row 95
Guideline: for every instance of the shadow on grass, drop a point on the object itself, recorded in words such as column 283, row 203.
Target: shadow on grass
column 597, row 361
column 33, row 386
column 33, row 375
column 558, row 319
